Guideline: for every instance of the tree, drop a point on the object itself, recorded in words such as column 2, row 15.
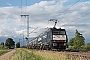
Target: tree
column 18, row 45
column 2, row 45
column 77, row 41
column 71, row 42
column 10, row 43
column 87, row 46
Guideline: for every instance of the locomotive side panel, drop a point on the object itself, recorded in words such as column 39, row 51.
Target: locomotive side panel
column 46, row 39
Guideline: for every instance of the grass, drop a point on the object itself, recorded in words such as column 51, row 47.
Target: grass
column 25, row 54
column 3, row 51
column 51, row 55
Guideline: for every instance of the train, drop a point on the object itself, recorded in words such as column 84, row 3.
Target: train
column 53, row 38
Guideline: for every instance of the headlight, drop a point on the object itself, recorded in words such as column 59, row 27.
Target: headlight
column 54, row 41
column 65, row 44
column 54, row 44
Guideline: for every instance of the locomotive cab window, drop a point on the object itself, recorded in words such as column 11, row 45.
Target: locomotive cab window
column 58, row 32
column 62, row 32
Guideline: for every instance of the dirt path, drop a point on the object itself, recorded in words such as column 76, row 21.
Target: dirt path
column 7, row 55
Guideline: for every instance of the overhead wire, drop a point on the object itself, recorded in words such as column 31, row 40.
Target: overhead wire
column 33, row 30
column 78, row 17
column 74, row 20
column 21, row 17
column 78, row 9
column 68, row 8
column 7, row 3
column 26, row 8
column 54, row 8
column 23, row 12
column 51, row 13
column 64, row 10
column 21, row 6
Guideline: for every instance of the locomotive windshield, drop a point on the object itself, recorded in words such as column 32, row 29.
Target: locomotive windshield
column 57, row 32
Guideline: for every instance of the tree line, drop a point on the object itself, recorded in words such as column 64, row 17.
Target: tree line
column 9, row 44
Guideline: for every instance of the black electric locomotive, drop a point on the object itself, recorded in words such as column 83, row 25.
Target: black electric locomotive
column 59, row 39
column 53, row 38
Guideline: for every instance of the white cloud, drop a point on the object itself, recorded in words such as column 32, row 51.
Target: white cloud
column 77, row 17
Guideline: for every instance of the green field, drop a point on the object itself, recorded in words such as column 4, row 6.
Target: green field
column 2, row 51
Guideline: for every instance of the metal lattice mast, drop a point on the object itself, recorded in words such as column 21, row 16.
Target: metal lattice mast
column 27, row 16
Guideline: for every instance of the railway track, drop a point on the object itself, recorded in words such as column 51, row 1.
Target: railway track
column 66, row 55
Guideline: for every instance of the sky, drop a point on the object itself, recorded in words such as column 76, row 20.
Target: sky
column 71, row 14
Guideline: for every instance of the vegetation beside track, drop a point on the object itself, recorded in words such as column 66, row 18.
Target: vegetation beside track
column 3, row 51
column 26, row 54
column 54, row 55
column 51, row 55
